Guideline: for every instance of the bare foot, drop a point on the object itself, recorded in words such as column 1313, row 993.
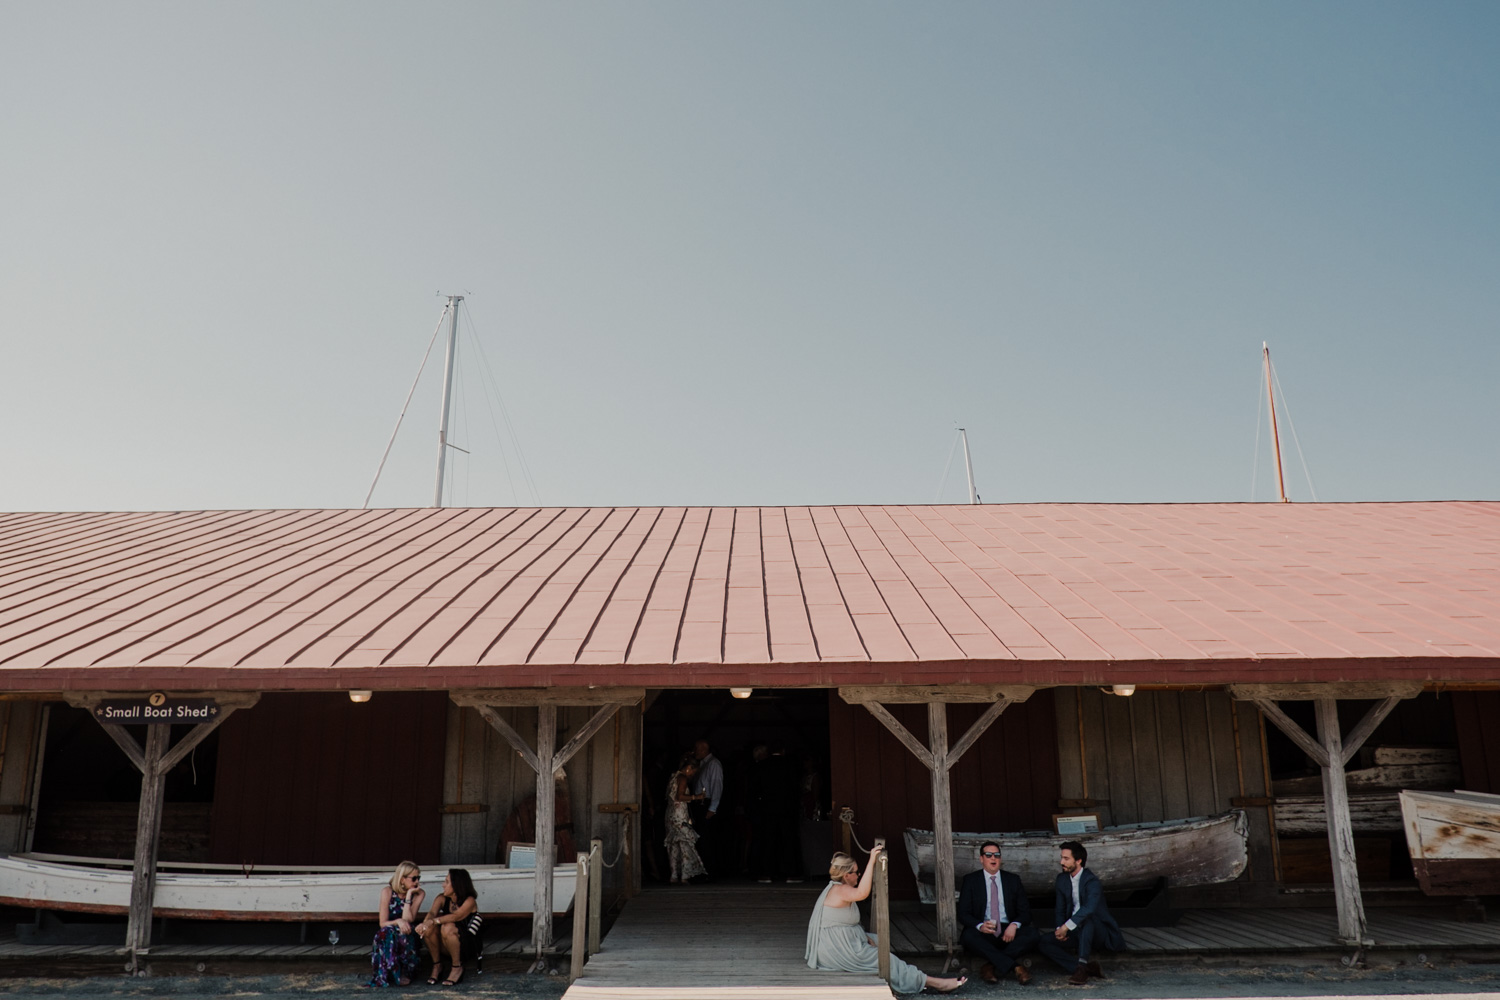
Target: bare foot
column 945, row 985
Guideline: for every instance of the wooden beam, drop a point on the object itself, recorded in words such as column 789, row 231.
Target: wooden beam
column 899, row 731
column 147, row 837
column 583, row 735
column 881, row 917
column 1352, row 690
column 1298, row 736
column 512, row 737
column 596, row 893
column 195, row 736
column 976, row 730
column 1351, row 908
column 546, row 821
column 908, row 694
column 526, row 697
column 581, row 900
column 942, row 824
column 1372, row 720
column 127, row 743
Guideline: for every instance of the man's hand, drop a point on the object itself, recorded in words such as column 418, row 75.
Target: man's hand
column 989, row 927
column 1010, row 934
column 1061, row 933
column 709, row 814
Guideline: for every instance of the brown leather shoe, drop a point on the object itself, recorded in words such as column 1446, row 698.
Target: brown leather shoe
column 1080, row 976
column 1023, row 975
column 987, row 973
column 1094, row 970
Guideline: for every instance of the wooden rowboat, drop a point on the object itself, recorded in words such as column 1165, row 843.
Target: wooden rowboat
column 1197, row 851
column 1454, row 841
column 225, row 892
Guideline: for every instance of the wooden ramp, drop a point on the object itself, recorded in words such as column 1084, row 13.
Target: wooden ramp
column 716, row 942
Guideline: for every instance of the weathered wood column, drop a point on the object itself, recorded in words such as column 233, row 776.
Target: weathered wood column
column 1331, row 751
column 545, row 760
column 939, row 759
column 154, row 762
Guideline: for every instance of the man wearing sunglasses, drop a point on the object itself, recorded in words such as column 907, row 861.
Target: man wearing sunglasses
column 995, row 918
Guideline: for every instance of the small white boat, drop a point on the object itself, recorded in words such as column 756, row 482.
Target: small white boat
column 225, row 892
column 1197, row 851
column 1454, row 841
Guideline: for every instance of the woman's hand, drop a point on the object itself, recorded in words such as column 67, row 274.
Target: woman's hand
column 875, row 852
column 404, row 925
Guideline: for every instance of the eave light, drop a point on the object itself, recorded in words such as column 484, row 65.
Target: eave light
column 741, row 692
column 360, row 697
column 1124, row 690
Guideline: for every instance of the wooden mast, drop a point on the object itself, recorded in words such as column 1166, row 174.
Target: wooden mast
column 1275, row 434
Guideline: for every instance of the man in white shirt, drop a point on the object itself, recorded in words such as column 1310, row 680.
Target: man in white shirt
column 710, row 784
column 994, row 917
column 1082, row 916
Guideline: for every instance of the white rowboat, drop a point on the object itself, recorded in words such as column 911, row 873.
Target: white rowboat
column 1454, row 841
column 104, row 887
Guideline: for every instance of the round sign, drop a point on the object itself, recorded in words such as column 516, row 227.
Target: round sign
column 157, row 699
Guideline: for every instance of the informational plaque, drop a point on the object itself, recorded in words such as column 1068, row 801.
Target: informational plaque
column 158, row 707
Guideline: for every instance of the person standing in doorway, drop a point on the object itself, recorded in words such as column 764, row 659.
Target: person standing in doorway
column 709, row 785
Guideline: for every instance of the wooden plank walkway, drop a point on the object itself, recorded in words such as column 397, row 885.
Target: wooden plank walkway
column 717, row 942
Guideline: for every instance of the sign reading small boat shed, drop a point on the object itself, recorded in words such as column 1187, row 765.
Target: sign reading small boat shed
column 157, row 707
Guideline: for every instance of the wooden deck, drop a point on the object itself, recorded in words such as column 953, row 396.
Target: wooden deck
column 718, row 942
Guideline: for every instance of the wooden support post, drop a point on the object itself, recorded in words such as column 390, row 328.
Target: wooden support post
column 581, row 918
column 546, row 838
column 147, row 837
column 942, row 824
column 596, row 892
column 1351, row 908
column 881, row 917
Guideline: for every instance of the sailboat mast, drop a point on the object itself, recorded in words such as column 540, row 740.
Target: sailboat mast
column 453, row 301
column 1275, row 435
column 969, row 466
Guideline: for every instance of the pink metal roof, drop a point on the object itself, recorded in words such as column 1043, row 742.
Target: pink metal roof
column 663, row 596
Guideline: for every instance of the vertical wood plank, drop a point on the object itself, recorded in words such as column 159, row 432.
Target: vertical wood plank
column 1221, row 743
column 596, row 892
column 582, row 894
column 1119, row 759
column 942, row 822
column 1197, row 772
column 1069, row 752
column 1176, row 802
column 881, row 918
column 546, row 819
column 1351, row 910
column 1147, row 763
column 147, row 838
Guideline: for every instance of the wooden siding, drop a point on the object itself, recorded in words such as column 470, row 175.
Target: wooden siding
column 316, row 779
column 1161, row 755
column 1478, row 744
column 484, row 779
column 20, row 748
column 1007, row 781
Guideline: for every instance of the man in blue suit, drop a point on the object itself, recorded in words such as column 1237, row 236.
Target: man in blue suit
column 995, row 917
column 1083, row 919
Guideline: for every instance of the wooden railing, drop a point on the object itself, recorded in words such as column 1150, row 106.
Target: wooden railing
column 881, row 911
column 580, row 919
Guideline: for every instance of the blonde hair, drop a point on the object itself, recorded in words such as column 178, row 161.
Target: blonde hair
column 404, row 869
column 841, row 865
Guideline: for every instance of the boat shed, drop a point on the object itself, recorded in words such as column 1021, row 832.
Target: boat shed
column 408, row 683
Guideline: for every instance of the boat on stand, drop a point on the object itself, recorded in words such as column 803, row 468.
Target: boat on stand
column 1454, row 841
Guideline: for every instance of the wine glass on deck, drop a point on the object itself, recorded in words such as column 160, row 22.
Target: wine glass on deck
column 333, row 940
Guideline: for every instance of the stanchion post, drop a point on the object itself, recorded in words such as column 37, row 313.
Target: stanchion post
column 882, row 907
column 596, row 892
column 580, row 918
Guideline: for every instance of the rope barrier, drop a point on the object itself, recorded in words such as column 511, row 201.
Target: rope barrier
column 620, row 848
column 846, row 817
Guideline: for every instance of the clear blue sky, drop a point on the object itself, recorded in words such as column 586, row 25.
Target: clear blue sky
column 754, row 253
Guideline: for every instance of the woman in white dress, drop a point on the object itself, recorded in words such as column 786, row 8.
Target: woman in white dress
column 682, row 852
column 836, row 941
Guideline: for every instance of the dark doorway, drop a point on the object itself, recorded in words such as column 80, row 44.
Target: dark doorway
column 791, row 723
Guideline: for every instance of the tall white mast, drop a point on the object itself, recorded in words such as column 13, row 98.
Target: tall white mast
column 969, row 466
column 1275, row 435
column 453, row 301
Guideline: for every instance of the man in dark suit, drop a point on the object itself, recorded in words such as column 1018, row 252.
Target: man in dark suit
column 1083, row 919
column 995, row 917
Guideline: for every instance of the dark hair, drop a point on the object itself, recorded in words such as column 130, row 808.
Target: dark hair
column 989, row 843
column 463, row 885
column 688, row 760
column 1080, row 852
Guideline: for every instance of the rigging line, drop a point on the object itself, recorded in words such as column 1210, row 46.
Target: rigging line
column 946, row 469
column 1286, row 408
column 387, row 453
column 1260, row 409
column 500, row 443
column 505, row 413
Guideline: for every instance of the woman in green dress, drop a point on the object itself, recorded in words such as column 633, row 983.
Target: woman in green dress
column 836, row 941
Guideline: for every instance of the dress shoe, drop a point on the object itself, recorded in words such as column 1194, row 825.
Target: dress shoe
column 987, row 973
column 1023, row 975
column 1080, row 976
column 1094, row 970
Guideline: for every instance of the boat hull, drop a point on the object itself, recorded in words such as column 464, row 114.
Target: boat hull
column 503, row 892
column 1454, row 841
column 1199, row 851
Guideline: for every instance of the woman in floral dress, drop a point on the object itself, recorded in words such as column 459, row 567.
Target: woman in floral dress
column 395, row 954
column 682, row 855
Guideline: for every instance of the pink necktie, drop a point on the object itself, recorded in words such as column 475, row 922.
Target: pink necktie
column 995, row 901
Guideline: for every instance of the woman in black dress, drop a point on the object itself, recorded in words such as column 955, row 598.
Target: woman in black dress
column 451, row 929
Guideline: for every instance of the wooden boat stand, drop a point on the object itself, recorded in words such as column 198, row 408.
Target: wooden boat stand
column 1331, row 750
column 154, row 761
column 938, row 757
column 545, row 761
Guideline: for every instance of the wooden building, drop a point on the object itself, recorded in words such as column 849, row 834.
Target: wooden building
column 955, row 668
